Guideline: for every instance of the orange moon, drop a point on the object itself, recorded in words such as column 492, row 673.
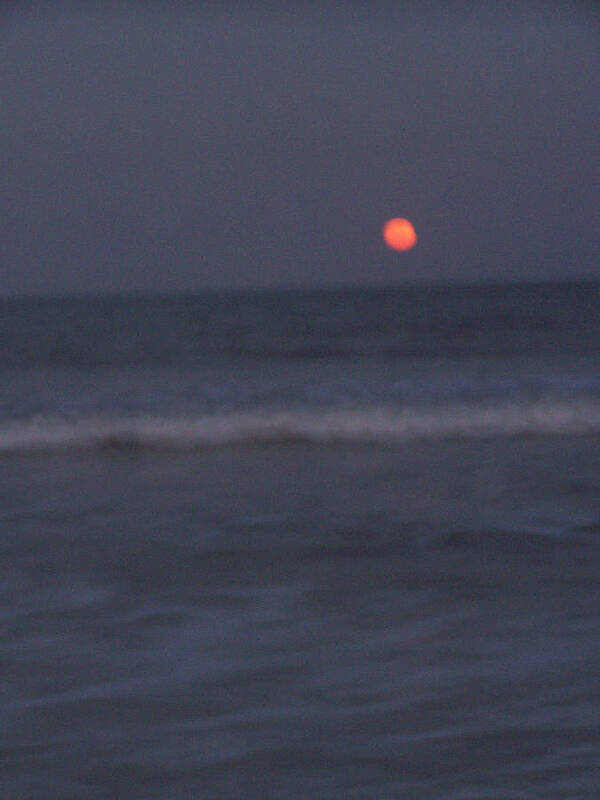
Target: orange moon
column 399, row 234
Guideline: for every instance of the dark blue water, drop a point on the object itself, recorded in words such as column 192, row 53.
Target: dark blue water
column 308, row 545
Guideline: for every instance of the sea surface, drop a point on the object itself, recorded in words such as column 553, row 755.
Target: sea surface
column 330, row 544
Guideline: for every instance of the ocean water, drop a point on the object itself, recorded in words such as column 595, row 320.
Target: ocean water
column 301, row 545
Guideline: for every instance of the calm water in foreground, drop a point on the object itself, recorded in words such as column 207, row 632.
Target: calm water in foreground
column 319, row 545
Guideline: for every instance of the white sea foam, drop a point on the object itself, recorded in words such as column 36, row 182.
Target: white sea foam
column 368, row 425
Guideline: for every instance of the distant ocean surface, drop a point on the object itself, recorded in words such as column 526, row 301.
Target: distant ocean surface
column 316, row 544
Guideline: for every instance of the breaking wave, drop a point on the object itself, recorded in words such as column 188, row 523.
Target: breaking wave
column 368, row 425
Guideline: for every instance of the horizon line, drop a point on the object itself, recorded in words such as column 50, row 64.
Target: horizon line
column 294, row 289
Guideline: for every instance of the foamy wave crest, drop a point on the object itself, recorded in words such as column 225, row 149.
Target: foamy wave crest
column 371, row 425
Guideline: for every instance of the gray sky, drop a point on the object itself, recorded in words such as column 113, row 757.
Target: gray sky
column 151, row 146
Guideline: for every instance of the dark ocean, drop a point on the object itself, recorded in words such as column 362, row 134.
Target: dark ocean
column 335, row 544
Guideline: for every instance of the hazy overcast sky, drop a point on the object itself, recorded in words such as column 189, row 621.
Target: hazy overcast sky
column 169, row 146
